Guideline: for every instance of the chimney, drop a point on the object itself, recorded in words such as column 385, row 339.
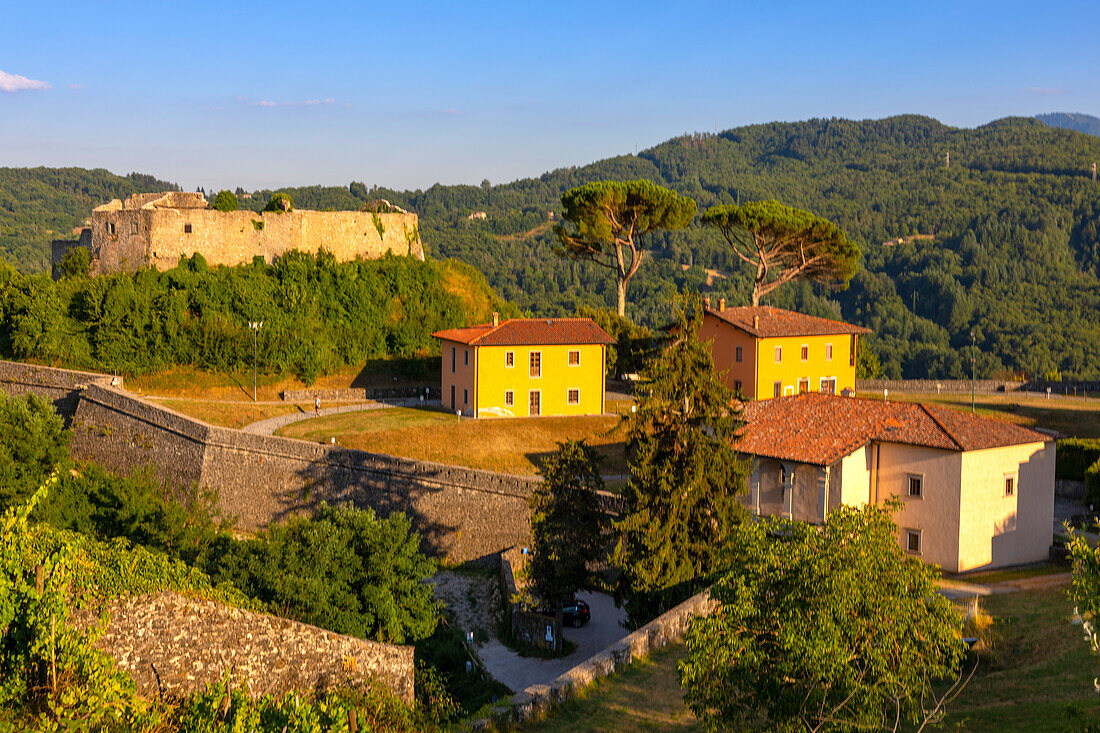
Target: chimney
column 706, row 301
column 496, row 319
column 756, row 322
column 721, row 304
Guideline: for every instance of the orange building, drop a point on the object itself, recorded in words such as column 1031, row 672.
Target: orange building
column 525, row 367
column 765, row 352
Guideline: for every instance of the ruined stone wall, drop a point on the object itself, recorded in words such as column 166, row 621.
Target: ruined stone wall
column 461, row 513
column 124, row 240
column 173, row 646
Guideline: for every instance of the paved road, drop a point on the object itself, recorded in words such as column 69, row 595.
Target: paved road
column 271, row 424
column 518, row 672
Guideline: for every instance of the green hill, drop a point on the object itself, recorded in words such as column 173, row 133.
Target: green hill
column 1003, row 242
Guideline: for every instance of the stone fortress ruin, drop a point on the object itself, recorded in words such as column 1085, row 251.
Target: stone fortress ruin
column 156, row 229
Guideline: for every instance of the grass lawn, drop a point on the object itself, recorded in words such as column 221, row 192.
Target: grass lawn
column 513, row 445
column 644, row 697
column 1039, row 664
column 1077, row 417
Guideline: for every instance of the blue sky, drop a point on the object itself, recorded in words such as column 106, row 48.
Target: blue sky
column 407, row 94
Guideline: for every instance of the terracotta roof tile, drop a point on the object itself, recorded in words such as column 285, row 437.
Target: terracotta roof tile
column 764, row 321
column 530, row 331
column 820, row 429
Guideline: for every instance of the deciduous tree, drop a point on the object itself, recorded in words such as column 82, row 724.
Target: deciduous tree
column 824, row 628
column 783, row 243
column 609, row 217
column 685, row 476
column 568, row 525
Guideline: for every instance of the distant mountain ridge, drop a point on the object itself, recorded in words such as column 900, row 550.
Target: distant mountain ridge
column 1072, row 121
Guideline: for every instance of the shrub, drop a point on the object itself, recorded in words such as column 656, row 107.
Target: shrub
column 343, row 569
column 1092, row 484
column 1075, row 456
column 226, row 201
column 280, row 202
column 32, row 442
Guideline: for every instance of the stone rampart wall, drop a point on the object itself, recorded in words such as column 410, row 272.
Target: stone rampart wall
column 173, row 646
column 60, row 386
column 462, row 513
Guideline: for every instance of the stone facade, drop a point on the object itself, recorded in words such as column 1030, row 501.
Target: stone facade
column 155, row 230
column 173, row 646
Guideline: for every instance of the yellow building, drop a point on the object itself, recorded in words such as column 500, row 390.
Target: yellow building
column 766, row 352
column 525, row 367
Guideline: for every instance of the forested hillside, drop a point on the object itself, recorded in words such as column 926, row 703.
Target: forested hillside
column 1002, row 241
column 41, row 204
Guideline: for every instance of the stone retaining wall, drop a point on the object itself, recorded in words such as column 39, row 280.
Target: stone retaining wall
column 934, row 386
column 983, row 386
column 173, row 646
column 667, row 628
column 462, row 513
column 361, row 394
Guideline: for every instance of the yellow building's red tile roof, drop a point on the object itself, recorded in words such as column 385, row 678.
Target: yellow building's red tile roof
column 530, row 332
column 820, row 429
column 764, row 321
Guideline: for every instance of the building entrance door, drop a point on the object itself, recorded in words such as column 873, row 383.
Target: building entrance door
column 534, row 402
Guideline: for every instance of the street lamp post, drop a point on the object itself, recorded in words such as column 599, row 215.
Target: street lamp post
column 255, row 326
column 973, row 370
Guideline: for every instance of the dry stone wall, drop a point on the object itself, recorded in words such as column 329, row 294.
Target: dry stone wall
column 461, row 513
column 173, row 646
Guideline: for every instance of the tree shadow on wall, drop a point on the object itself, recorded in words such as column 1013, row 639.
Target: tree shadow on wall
column 348, row 477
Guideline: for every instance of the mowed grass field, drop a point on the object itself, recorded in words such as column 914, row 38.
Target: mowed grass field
column 1037, row 668
column 514, row 445
column 1073, row 416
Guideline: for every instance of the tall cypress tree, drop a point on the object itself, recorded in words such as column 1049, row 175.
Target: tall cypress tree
column 568, row 525
column 685, row 475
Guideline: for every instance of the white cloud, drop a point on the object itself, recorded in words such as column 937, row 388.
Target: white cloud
column 12, row 83
column 1045, row 91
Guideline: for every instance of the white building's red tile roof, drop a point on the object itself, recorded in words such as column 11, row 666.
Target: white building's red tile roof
column 820, row 429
